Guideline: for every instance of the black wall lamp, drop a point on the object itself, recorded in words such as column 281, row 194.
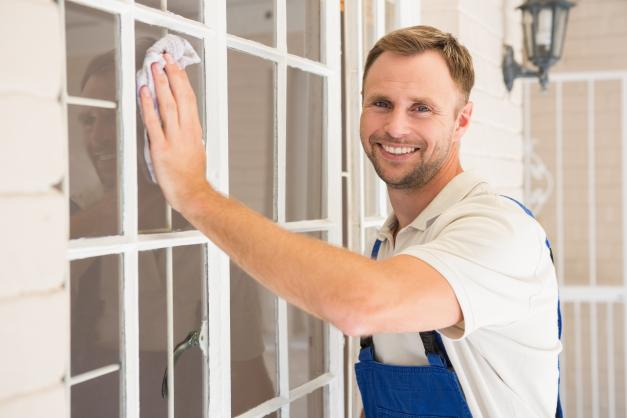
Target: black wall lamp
column 544, row 29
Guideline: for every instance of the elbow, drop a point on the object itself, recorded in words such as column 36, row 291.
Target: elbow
column 353, row 321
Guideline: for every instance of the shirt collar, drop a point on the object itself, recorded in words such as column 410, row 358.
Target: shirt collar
column 455, row 190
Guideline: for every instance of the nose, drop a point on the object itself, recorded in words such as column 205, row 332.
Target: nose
column 397, row 123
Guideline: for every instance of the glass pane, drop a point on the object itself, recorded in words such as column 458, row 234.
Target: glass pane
column 188, row 267
column 91, row 58
column 368, row 24
column 191, row 9
column 152, row 332
column 307, row 341
column 189, row 274
column 251, row 133
column 310, row 406
column 372, row 189
column 97, row 398
column 561, row 18
column 303, row 28
column 370, row 238
column 253, row 343
column 93, row 139
column 154, row 213
column 390, row 16
column 94, row 180
column 306, row 168
column 252, row 19
column 94, row 284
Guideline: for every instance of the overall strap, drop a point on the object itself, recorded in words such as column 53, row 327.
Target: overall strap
column 558, row 411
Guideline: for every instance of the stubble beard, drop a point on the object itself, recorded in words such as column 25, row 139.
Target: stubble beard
column 420, row 175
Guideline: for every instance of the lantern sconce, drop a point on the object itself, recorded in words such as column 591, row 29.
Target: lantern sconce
column 544, row 29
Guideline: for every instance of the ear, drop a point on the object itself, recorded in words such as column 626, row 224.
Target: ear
column 463, row 121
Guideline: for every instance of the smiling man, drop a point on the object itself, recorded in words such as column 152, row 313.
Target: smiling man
column 458, row 301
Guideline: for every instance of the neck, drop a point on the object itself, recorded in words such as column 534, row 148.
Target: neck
column 409, row 203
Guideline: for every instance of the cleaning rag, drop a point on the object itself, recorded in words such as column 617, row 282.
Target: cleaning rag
column 183, row 54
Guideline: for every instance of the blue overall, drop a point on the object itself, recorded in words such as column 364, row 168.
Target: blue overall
column 432, row 391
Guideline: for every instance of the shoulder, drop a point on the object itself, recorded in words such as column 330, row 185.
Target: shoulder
column 492, row 230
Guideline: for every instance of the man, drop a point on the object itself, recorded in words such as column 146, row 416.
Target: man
column 453, row 257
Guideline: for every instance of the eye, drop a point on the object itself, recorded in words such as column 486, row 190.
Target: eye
column 381, row 103
column 422, row 108
column 87, row 119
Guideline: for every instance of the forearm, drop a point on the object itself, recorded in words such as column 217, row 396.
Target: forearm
column 325, row 280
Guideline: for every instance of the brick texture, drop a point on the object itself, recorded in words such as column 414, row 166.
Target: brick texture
column 34, row 331
column 34, row 321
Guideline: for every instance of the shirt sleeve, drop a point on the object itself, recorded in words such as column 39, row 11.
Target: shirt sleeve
column 490, row 257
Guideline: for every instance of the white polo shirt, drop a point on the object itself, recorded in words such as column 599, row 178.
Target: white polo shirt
column 495, row 258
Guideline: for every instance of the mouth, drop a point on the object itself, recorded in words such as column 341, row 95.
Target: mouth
column 397, row 152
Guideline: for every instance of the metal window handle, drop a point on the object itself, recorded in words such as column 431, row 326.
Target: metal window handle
column 193, row 339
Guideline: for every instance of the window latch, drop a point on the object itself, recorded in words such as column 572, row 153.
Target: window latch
column 196, row 338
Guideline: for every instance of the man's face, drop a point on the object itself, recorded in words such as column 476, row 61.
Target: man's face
column 409, row 117
column 99, row 129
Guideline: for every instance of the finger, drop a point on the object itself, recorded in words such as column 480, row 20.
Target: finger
column 151, row 120
column 167, row 105
column 182, row 91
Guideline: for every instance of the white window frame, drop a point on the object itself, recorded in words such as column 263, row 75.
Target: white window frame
column 216, row 310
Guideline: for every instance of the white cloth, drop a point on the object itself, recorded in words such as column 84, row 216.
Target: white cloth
column 183, row 54
column 495, row 258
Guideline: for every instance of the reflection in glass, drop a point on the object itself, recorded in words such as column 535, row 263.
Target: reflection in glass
column 189, row 272
column 252, row 19
column 251, row 134
column 303, row 28
column 188, row 268
column 93, row 138
column 88, row 34
column 154, row 214
column 253, row 343
column 251, row 180
column 94, row 184
column 307, row 342
column 310, row 406
column 94, row 284
column 97, row 398
column 305, row 168
column 191, row 9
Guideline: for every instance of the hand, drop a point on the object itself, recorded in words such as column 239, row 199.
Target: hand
column 176, row 146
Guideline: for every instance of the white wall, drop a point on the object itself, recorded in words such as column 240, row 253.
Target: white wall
column 34, row 321
column 492, row 147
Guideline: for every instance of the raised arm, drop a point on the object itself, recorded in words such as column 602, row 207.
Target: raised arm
column 357, row 295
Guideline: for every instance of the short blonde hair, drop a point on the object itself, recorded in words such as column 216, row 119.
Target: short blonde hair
column 416, row 39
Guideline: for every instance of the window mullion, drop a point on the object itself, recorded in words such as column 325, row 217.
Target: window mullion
column 129, row 314
column 218, row 284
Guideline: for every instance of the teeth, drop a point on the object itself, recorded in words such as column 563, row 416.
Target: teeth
column 398, row 150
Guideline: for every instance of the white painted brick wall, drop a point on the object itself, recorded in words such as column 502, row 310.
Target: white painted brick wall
column 34, row 320
column 493, row 144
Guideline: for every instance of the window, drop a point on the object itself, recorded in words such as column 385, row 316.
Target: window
column 142, row 280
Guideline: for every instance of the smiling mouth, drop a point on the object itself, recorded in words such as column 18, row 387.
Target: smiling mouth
column 399, row 150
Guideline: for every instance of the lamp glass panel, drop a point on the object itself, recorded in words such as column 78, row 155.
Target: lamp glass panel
column 544, row 30
column 561, row 17
column 527, row 24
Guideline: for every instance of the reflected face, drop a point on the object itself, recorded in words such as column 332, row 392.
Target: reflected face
column 99, row 129
column 409, row 116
